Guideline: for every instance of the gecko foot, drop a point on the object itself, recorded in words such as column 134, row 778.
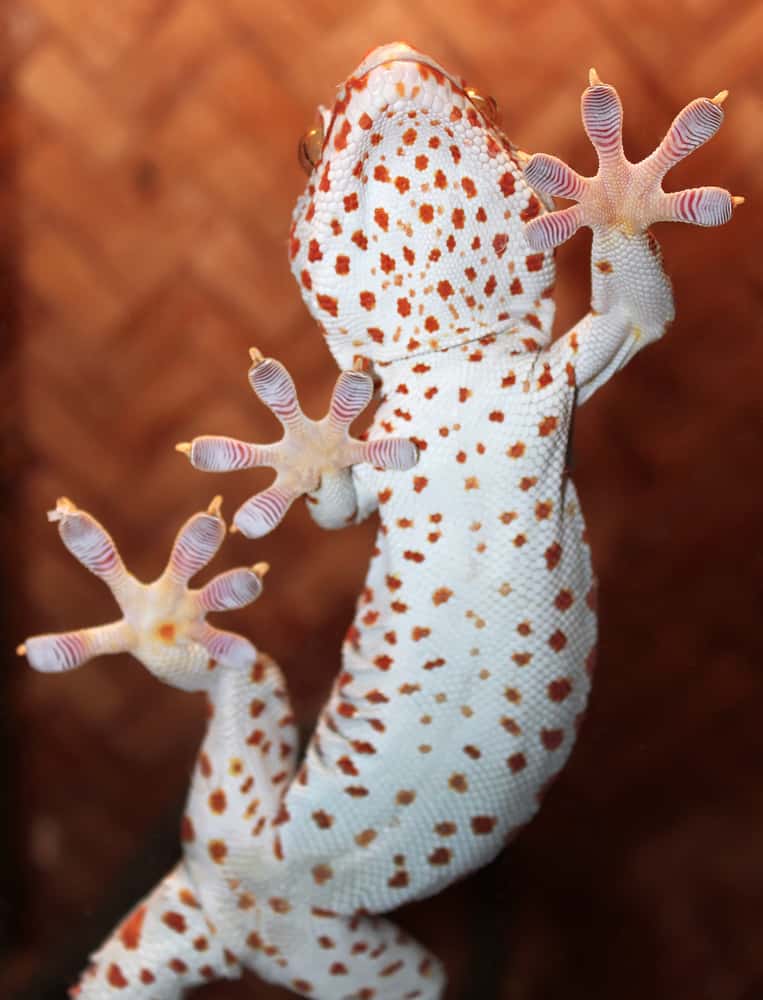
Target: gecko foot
column 308, row 450
column 163, row 623
column 623, row 195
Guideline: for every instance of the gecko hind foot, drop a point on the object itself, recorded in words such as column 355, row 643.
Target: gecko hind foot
column 624, row 195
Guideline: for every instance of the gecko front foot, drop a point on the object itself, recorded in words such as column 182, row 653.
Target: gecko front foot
column 623, row 195
column 308, row 450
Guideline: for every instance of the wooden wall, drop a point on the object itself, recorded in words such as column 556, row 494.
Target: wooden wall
column 150, row 149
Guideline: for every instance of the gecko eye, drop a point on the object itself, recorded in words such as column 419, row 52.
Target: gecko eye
column 487, row 106
column 310, row 148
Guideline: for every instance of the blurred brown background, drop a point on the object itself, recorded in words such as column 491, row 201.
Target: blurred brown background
column 147, row 150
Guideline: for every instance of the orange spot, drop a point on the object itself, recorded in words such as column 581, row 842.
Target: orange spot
column 166, row 632
column 116, row 977
column 328, row 304
column 130, row 931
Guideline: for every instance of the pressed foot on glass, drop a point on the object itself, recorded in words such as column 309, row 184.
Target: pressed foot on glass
column 163, row 623
column 631, row 297
column 308, row 452
column 623, row 195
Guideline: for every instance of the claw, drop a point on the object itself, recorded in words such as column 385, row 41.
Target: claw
column 720, row 97
column 184, row 447
column 256, row 355
column 737, row 200
column 593, row 78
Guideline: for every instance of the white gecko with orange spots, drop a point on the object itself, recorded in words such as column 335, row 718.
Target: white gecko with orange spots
column 422, row 246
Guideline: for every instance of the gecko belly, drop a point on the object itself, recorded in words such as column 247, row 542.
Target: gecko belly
column 466, row 670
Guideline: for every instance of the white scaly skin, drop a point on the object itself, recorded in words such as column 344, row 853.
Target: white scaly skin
column 420, row 246
column 202, row 922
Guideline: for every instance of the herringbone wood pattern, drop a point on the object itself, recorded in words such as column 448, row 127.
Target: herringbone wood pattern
column 155, row 175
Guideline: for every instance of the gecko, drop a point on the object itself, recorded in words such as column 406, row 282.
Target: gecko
column 203, row 922
column 423, row 246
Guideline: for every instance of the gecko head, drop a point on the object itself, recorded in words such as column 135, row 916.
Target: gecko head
column 410, row 234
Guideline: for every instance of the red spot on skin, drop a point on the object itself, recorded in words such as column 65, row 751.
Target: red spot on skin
column 116, row 977
column 470, row 189
column 551, row 738
column 404, row 307
column 323, row 820
column 340, row 141
column 547, row 426
column 342, row 265
column 534, row 261
column 516, row 287
column 365, row 122
column 543, row 509
column 175, row 921
column 218, row 802
column 457, row 218
column 532, row 209
column 294, row 246
column 218, row 851
column 517, row 762
column 205, row 765
column 426, row 213
column 356, row 791
column 314, row 251
column 441, row 595
column 187, row 832
column 147, row 977
column 563, row 600
column 338, row 969
column 420, row 632
column 440, row 180
column 375, row 334
column 500, row 242
column 402, row 184
column 167, row 632
column 455, row 152
column 278, row 905
column 381, row 219
column 390, row 970
column 557, row 641
column 367, row 300
column 381, row 173
column 527, row 482
column 533, row 320
column 604, row 266
column 507, row 184
column 434, row 664
column 398, row 881
column 130, row 931
column 444, row 289
column 508, row 380
column 560, row 690
column 419, row 483
column 553, row 555
column 383, row 662
column 409, row 136
column 386, row 263
column 481, row 214
column 490, row 285
column 350, row 202
column 322, row 874
column 307, row 281
column 328, row 304
column 421, row 162
column 325, row 183
column 412, row 556
column 482, row 825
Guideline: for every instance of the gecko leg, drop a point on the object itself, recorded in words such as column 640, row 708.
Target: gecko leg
column 164, row 947
column 632, row 302
column 308, row 451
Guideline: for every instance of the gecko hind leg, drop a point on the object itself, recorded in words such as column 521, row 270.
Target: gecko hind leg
column 164, row 947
